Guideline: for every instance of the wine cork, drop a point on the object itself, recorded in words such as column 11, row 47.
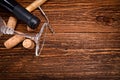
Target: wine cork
column 29, row 29
column 13, row 41
column 12, row 21
column 35, row 4
column 29, row 44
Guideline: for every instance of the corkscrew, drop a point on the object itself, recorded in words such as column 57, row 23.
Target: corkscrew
column 36, row 38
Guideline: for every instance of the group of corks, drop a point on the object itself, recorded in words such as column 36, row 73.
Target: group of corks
column 16, row 39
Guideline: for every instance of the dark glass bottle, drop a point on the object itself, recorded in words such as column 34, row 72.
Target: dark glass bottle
column 21, row 13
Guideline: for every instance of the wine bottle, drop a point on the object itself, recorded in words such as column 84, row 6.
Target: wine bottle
column 21, row 13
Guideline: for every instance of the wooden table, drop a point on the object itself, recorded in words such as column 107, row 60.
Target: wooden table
column 86, row 45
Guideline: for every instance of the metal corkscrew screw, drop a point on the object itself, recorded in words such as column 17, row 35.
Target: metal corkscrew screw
column 6, row 30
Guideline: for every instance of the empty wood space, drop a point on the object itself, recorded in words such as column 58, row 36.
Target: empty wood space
column 86, row 45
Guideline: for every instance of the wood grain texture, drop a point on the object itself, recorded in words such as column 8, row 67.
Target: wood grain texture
column 86, row 45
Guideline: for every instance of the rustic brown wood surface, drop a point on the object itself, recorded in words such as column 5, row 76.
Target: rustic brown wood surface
column 86, row 45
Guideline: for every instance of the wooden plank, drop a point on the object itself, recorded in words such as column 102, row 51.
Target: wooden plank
column 81, row 40
column 64, row 66
column 102, row 16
